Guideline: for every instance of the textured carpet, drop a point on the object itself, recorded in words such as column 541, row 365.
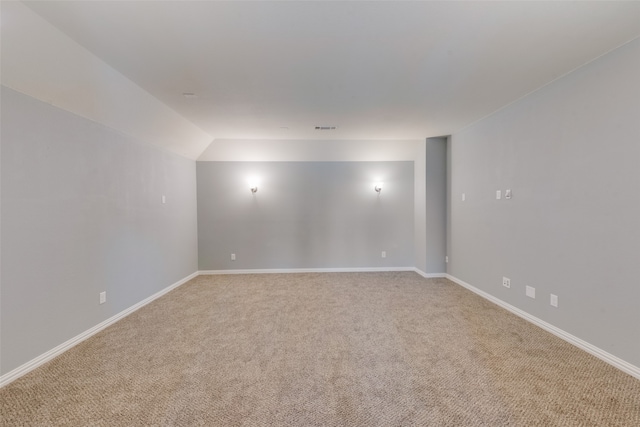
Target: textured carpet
column 333, row 349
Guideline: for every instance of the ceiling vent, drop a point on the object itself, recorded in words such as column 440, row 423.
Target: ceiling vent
column 326, row 127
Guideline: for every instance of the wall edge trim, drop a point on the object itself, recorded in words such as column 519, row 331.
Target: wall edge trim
column 306, row 270
column 603, row 355
column 58, row 350
column 430, row 275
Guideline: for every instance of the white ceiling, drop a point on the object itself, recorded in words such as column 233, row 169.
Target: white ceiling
column 377, row 70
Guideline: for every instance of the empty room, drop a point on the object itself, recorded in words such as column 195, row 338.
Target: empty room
column 320, row 213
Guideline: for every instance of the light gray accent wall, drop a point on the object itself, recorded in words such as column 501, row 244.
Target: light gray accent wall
column 435, row 202
column 305, row 215
column 571, row 154
column 420, row 209
column 449, row 198
column 82, row 213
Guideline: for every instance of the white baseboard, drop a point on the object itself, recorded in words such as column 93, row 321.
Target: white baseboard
column 430, row 275
column 615, row 361
column 54, row 352
column 307, row 270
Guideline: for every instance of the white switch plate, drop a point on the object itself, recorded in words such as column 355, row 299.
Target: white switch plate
column 554, row 300
column 164, row 199
column 498, row 194
column 464, row 197
column 446, row 259
column 233, row 257
column 103, row 297
column 384, row 254
column 531, row 292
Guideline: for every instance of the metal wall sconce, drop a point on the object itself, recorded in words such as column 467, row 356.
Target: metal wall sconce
column 253, row 185
column 378, row 187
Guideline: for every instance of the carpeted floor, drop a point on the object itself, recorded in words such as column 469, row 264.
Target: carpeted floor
column 332, row 349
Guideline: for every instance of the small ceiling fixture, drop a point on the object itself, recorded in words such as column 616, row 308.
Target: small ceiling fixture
column 189, row 95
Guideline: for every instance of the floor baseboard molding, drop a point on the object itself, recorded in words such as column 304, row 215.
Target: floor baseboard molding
column 609, row 358
column 306, row 270
column 56, row 351
column 430, row 275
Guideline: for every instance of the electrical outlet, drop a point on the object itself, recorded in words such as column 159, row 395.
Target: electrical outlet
column 507, row 194
column 506, row 282
column 233, row 257
column 446, row 259
column 164, row 199
column 464, row 197
column 554, row 300
column 384, row 254
column 103, row 297
column 531, row 292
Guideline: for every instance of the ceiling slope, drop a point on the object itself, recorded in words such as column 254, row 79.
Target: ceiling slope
column 42, row 62
column 375, row 70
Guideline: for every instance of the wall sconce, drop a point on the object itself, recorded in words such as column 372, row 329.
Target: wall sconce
column 253, row 185
column 378, row 187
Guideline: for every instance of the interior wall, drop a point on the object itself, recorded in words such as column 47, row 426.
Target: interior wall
column 305, row 215
column 570, row 153
column 316, row 150
column 82, row 213
column 420, row 209
column 340, row 151
column 436, row 204
column 448, row 201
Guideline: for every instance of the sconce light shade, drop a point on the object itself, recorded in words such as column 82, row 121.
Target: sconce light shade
column 254, row 189
column 378, row 187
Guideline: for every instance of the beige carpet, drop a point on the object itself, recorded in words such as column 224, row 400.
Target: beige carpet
column 337, row 349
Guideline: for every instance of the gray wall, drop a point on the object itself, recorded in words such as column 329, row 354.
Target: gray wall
column 436, row 204
column 82, row 213
column 448, row 200
column 305, row 215
column 571, row 154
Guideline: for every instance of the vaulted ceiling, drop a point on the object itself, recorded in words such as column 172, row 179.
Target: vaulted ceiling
column 375, row 70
